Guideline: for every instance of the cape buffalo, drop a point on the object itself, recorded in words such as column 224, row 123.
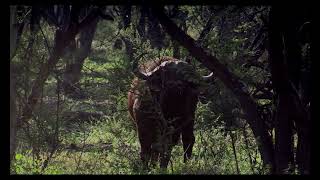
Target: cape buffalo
column 162, row 103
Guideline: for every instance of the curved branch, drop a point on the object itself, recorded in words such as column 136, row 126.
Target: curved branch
column 231, row 81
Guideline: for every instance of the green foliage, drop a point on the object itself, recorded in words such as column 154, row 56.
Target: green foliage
column 24, row 164
column 105, row 141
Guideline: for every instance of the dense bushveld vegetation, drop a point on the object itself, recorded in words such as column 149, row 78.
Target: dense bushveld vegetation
column 88, row 130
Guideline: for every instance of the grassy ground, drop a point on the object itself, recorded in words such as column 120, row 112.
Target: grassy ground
column 111, row 147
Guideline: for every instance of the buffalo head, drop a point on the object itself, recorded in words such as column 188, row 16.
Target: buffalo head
column 172, row 75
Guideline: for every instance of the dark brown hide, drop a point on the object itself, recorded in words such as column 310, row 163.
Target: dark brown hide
column 167, row 99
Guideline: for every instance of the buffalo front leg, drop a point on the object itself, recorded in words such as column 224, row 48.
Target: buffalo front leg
column 165, row 157
column 145, row 142
column 166, row 154
column 145, row 155
column 154, row 157
column 188, row 140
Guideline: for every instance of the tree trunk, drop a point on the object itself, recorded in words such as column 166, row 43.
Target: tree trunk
column 285, row 60
column 13, row 116
column 303, row 126
column 129, row 48
column 13, row 112
column 80, row 52
column 294, row 63
column 234, row 152
column 232, row 82
column 15, row 30
column 176, row 50
column 283, row 135
column 63, row 37
column 45, row 70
